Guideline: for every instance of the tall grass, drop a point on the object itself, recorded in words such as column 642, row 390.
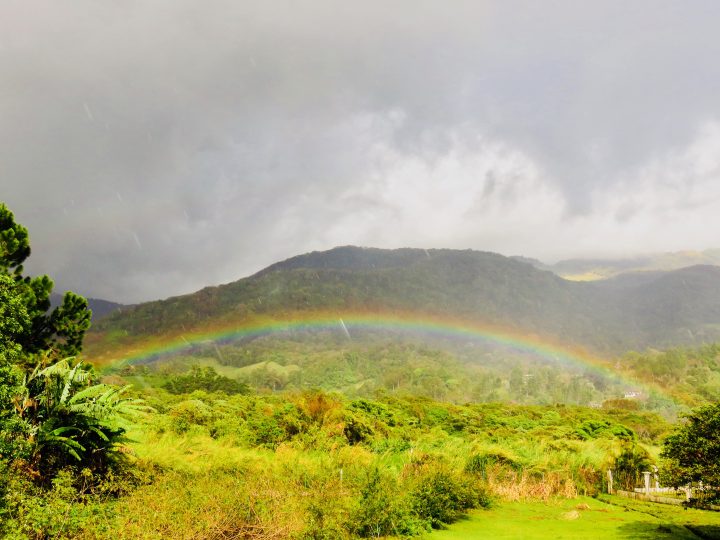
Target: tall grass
column 318, row 466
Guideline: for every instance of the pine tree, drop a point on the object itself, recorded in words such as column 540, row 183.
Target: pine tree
column 61, row 329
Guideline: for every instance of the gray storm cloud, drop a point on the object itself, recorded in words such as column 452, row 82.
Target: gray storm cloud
column 156, row 147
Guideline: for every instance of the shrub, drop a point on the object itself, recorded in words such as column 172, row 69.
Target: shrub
column 440, row 497
column 26, row 511
column 593, row 429
column 479, row 463
column 356, row 429
column 188, row 413
column 630, row 464
column 205, row 378
column 383, row 511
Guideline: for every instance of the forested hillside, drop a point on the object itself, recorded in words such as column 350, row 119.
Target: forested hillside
column 629, row 312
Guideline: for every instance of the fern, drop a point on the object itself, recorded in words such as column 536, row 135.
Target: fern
column 73, row 420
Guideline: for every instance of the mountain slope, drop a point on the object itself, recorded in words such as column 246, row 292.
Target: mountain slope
column 610, row 316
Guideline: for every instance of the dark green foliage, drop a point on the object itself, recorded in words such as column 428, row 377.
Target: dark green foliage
column 357, row 430
column 382, row 510
column 282, row 424
column 207, row 379
column 14, row 320
column 13, row 323
column 479, row 463
column 629, row 466
column 593, row 429
column 69, row 421
column 441, row 496
column 693, row 450
column 66, row 325
column 14, row 243
column 63, row 328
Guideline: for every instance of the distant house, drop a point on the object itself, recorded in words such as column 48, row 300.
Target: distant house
column 634, row 394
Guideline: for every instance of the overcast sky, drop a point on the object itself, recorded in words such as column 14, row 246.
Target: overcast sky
column 153, row 147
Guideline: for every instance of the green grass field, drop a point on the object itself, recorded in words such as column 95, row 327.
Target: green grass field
column 583, row 518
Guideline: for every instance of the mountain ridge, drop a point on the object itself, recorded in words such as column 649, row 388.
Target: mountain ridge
column 609, row 316
column 602, row 268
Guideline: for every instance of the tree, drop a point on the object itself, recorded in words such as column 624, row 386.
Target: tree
column 53, row 413
column 14, row 243
column 693, row 450
column 14, row 322
column 60, row 330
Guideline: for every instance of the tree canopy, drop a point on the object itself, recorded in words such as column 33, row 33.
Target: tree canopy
column 693, row 450
column 61, row 329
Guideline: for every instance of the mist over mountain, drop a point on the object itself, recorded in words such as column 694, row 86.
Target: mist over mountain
column 631, row 311
column 594, row 268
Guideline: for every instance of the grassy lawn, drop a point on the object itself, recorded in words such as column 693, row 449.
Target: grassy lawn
column 584, row 518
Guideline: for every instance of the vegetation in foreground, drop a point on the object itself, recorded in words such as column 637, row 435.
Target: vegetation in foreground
column 315, row 465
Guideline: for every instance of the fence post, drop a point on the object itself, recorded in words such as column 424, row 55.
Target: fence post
column 610, row 481
column 655, row 476
column 646, row 478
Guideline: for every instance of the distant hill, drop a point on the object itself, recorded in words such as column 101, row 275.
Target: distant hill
column 630, row 311
column 593, row 269
column 100, row 308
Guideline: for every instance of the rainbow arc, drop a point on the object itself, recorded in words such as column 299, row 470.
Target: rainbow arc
column 347, row 323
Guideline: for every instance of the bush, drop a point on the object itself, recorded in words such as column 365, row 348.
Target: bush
column 205, row 378
column 593, row 429
column 382, row 511
column 630, row 464
column 27, row 511
column 479, row 463
column 356, row 429
column 188, row 413
column 441, row 496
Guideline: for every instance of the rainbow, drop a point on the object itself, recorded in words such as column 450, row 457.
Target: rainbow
column 347, row 323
